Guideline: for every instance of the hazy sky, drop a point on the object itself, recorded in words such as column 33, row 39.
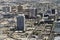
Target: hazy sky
column 58, row 1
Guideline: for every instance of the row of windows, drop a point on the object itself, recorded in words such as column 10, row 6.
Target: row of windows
column 20, row 23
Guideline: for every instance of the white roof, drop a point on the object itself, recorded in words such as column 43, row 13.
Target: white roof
column 45, row 1
column 32, row 39
column 3, row 36
column 8, row 39
column 21, row 14
column 57, row 38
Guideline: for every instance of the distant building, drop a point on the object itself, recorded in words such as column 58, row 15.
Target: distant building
column 48, row 21
column 30, row 10
column 20, row 8
column 21, row 22
column 57, row 27
column 32, row 13
column 53, row 11
column 6, row 9
column 14, row 9
column 49, row 11
column 8, row 15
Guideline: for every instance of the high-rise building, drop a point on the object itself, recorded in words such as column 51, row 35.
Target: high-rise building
column 32, row 13
column 53, row 11
column 57, row 27
column 30, row 10
column 6, row 9
column 20, row 8
column 21, row 22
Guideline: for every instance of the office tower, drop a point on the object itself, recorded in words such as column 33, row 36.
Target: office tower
column 8, row 15
column 20, row 8
column 21, row 22
column 13, row 9
column 53, row 11
column 32, row 13
column 57, row 27
column 49, row 11
column 6, row 9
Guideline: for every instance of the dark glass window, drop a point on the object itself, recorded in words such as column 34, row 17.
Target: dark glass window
column 6, row 9
column 20, row 23
column 53, row 11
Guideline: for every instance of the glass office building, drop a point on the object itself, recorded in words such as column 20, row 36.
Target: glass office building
column 6, row 9
column 21, row 22
column 57, row 27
